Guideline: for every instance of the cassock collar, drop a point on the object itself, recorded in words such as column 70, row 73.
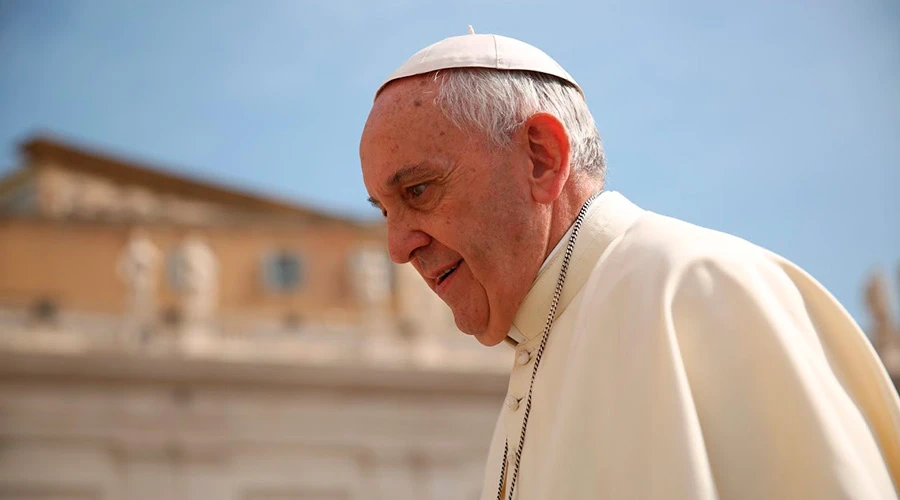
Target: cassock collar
column 608, row 217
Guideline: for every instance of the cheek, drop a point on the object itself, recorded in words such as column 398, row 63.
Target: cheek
column 486, row 227
column 494, row 255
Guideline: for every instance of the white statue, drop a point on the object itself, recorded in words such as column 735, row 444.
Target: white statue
column 886, row 334
column 197, row 274
column 138, row 267
column 371, row 276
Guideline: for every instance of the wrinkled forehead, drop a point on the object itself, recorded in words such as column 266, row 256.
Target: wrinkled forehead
column 403, row 127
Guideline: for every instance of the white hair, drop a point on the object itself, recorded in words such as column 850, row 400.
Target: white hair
column 499, row 102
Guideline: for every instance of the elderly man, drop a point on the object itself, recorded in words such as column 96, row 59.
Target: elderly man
column 654, row 359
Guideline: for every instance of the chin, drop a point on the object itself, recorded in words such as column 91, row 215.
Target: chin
column 482, row 326
column 485, row 336
column 477, row 331
column 488, row 340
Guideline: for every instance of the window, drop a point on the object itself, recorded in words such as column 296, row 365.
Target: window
column 282, row 271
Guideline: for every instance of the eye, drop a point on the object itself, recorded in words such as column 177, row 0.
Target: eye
column 417, row 190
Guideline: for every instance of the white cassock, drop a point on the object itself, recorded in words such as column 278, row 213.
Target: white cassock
column 689, row 364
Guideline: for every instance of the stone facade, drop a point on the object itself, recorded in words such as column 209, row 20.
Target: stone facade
column 162, row 338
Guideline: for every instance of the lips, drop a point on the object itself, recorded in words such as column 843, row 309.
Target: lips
column 447, row 272
column 438, row 275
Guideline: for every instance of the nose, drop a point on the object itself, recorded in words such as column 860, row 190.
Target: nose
column 404, row 239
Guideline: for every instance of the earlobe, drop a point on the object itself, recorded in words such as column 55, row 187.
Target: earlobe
column 548, row 150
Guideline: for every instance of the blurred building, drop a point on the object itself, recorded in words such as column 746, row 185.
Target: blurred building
column 166, row 338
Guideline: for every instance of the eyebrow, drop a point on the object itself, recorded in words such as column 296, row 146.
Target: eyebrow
column 404, row 176
column 409, row 173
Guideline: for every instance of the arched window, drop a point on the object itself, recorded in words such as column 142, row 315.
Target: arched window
column 282, row 271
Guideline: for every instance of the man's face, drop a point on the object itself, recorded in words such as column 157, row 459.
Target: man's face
column 458, row 208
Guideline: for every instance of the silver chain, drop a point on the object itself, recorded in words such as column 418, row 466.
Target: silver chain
column 570, row 248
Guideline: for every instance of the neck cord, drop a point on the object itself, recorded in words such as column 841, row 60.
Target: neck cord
column 570, row 247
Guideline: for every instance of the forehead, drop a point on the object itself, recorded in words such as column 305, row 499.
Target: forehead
column 399, row 107
column 404, row 128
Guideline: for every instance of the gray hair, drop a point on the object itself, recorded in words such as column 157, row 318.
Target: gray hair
column 499, row 102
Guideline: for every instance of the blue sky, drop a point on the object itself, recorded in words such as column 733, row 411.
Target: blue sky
column 775, row 121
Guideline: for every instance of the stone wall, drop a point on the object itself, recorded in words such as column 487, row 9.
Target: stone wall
column 129, row 428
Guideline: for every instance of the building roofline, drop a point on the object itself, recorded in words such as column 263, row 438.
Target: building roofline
column 46, row 148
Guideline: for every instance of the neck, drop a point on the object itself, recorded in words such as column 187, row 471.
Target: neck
column 563, row 213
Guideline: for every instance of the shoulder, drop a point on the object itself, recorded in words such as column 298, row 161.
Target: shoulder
column 659, row 257
column 680, row 258
column 665, row 245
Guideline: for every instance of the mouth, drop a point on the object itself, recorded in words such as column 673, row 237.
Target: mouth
column 441, row 278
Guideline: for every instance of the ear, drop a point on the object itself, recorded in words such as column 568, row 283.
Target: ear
column 548, row 150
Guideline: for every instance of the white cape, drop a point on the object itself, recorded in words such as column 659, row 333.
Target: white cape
column 688, row 364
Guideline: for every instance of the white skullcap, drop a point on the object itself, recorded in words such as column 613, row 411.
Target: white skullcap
column 479, row 51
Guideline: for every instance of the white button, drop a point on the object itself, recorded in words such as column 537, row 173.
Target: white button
column 523, row 357
column 512, row 403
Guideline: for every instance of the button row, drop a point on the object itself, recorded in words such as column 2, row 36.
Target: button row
column 523, row 357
